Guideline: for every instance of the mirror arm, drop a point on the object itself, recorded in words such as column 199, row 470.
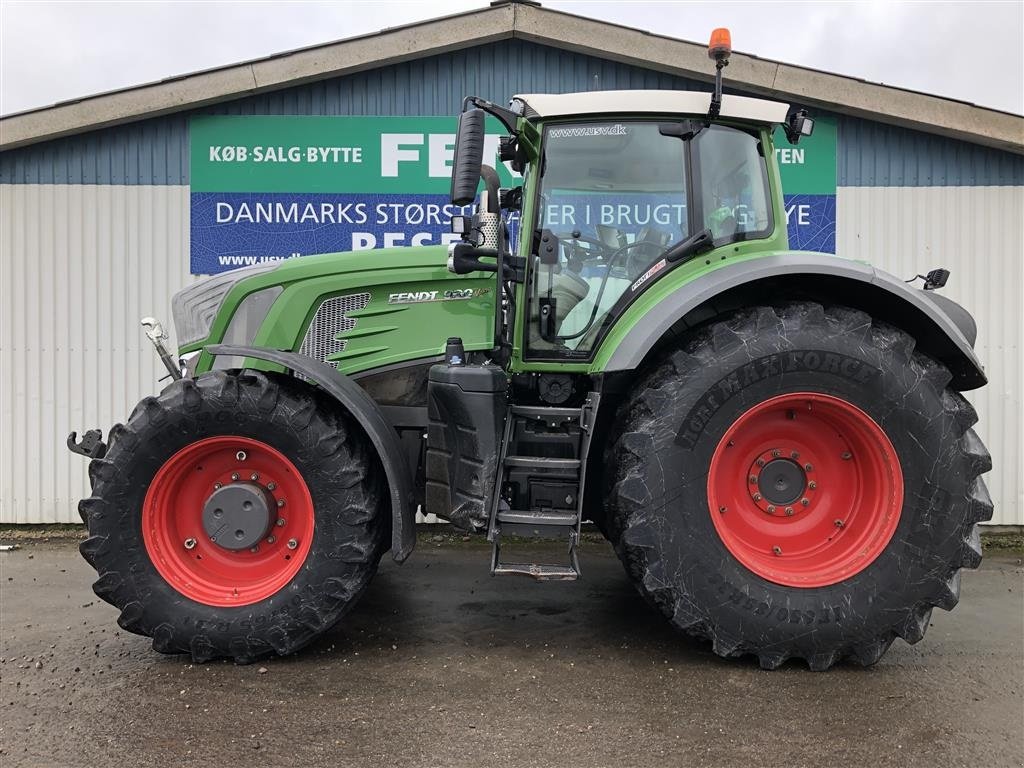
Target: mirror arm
column 507, row 117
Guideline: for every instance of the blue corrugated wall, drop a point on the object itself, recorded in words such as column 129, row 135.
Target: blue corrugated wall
column 155, row 151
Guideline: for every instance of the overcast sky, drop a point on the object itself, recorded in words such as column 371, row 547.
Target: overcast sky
column 53, row 51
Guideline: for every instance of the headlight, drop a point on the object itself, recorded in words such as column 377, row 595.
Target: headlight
column 250, row 315
column 196, row 307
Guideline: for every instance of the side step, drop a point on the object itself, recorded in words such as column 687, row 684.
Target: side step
column 526, row 480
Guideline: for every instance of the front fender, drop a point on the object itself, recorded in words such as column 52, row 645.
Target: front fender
column 365, row 411
column 942, row 328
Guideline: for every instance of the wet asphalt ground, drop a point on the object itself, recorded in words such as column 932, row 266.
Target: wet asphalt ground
column 442, row 665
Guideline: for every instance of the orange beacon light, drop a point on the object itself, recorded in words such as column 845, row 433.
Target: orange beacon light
column 721, row 44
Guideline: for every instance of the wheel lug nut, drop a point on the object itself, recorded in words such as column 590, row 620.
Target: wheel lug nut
column 255, row 549
column 789, row 511
column 753, row 479
column 776, row 453
column 777, row 550
column 271, row 486
column 794, row 455
column 292, row 544
column 234, row 476
column 216, row 486
column 280, row 522
column 771, row 508
column 847, row 455
column 808, row 468
column 839, row 523
column 254, row 477
column 271, row 539
column 812, row 485
column 805, row 501
column 190, row 543
column 760, row 462
column 241, row 456
column 280, row 502
column 757, row 497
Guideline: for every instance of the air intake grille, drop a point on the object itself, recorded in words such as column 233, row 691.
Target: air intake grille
column 331, row 318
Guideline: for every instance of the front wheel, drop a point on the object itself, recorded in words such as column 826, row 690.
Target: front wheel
column 236, row 515
column 797, row 483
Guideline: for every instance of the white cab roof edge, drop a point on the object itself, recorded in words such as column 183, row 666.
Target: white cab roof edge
column 662, row 102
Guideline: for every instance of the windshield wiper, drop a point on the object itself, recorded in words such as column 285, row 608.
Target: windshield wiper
column 699, row 243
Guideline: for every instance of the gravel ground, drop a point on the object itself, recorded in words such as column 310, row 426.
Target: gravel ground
column 441, row 665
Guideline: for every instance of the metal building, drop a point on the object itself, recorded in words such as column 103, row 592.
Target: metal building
column 95, row 206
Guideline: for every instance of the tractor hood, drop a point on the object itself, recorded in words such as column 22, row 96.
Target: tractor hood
column 357, row 310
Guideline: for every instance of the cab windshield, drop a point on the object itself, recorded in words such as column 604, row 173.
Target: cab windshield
column 617, row 195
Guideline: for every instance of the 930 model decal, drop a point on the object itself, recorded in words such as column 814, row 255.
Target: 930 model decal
column 420, row 297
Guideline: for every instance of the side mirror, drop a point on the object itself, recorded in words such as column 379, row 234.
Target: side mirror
column 469, row 156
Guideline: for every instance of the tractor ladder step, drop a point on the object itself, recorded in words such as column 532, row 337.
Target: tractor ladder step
column 541, row 462
column 537, row 517
column 541, row 474
column 537, row 571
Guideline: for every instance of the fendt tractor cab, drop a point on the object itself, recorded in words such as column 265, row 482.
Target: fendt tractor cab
column 774, row 441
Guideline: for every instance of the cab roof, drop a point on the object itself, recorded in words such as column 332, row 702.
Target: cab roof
column 599, row 103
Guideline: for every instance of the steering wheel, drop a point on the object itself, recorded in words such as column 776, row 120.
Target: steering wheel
column 576, row 255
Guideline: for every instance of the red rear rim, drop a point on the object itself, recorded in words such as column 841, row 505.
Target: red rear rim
column 195, row 493
column 805, row 489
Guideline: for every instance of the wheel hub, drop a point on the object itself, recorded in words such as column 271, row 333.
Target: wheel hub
column 237, row 516
column 782, row 481
column 778, row 481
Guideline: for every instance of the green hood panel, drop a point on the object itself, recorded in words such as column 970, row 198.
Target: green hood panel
column 414, row 305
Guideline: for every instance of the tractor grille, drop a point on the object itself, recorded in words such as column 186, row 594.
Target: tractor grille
column 331, row 318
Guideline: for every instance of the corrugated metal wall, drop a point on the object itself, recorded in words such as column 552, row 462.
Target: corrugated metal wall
column 976, row 233
column 79, row 265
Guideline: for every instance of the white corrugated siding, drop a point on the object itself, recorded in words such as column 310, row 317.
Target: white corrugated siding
column 977, row 234
column 79, row 265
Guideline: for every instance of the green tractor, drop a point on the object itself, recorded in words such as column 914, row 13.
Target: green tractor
column 774, row 441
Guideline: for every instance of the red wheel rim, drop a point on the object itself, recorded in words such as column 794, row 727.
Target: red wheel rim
column 181, row 548
column 805, row 489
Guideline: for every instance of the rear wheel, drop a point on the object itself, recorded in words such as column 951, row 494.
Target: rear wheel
column 797, row 482
column 236, row 515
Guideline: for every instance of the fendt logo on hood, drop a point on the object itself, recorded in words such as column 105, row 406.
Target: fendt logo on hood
column 454, row 294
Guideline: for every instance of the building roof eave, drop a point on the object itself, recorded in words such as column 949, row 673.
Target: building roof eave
column 754, row 75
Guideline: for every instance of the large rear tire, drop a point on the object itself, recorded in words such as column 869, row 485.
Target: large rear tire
column 280, row 462
column 797, row 482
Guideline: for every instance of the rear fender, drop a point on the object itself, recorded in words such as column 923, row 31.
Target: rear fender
column 942, row 328
column 370, row 417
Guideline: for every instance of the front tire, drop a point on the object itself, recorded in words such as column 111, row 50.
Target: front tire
column 237, row 515
column 797, row 482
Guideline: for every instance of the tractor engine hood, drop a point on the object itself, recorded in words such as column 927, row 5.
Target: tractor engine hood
column 357, row 310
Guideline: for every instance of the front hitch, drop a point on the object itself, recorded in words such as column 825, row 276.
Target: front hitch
column 91, row 445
